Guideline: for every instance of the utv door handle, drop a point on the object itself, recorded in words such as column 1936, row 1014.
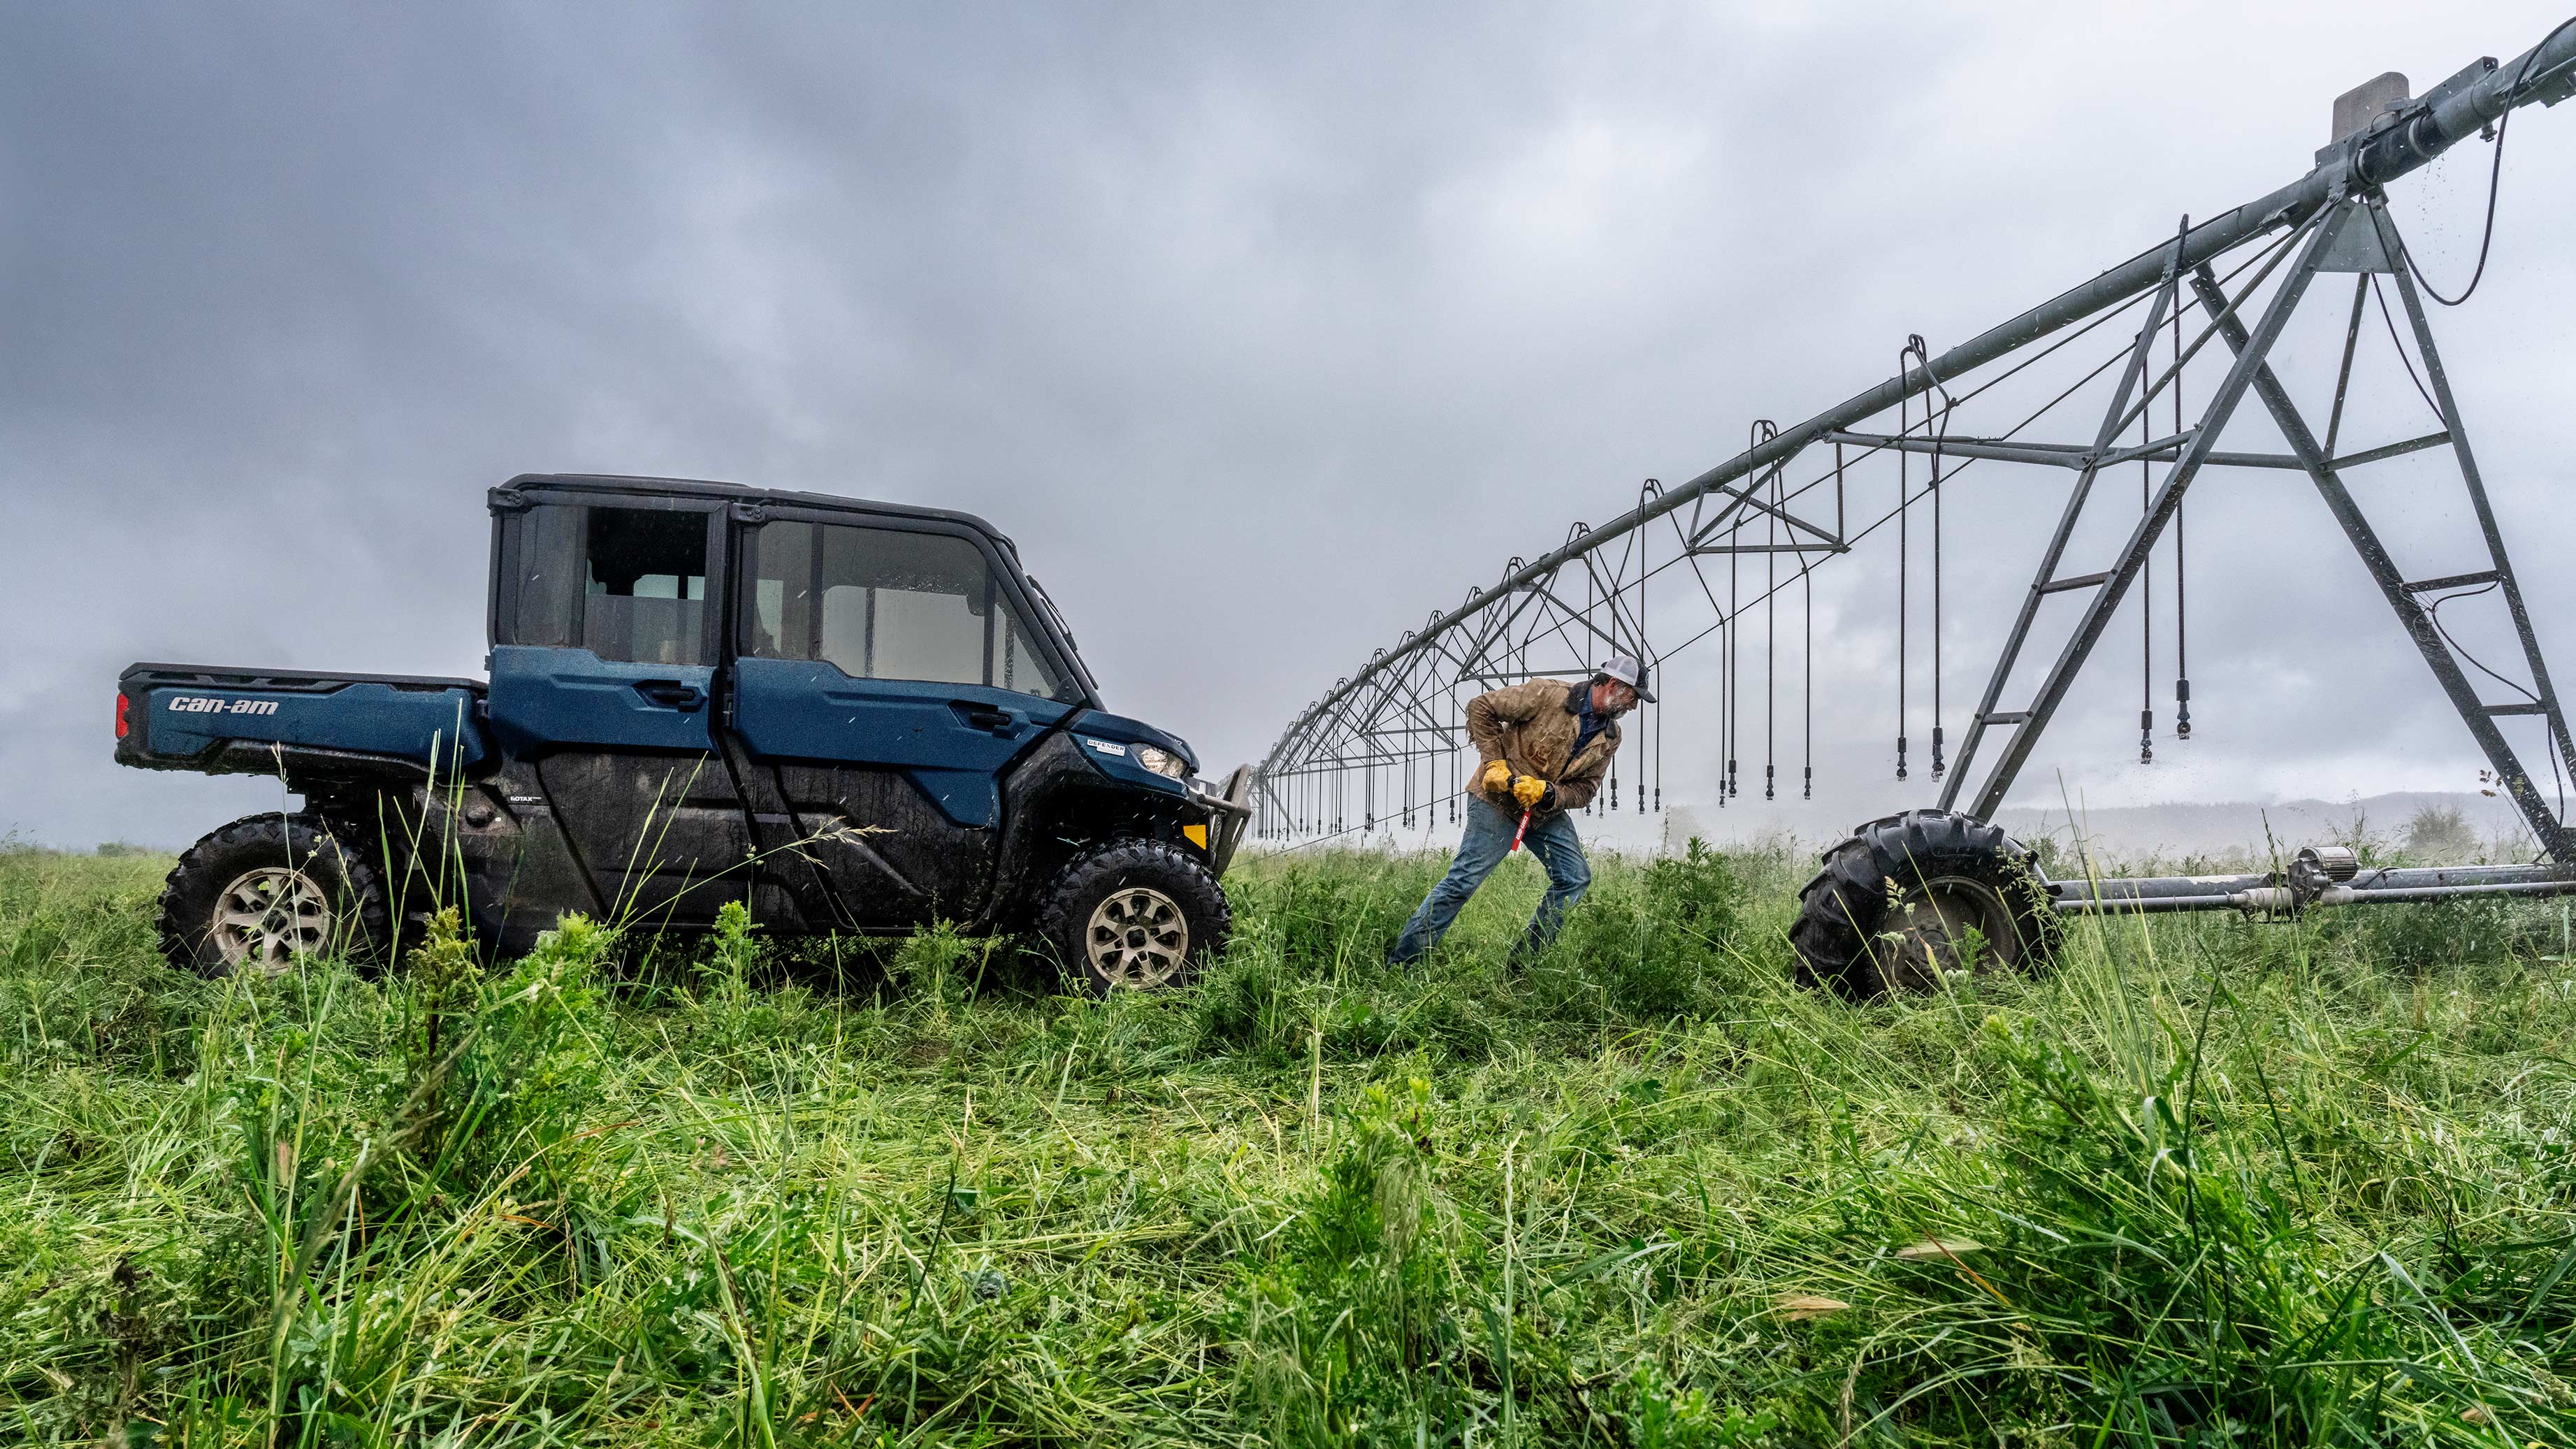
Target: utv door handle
column 984, row 717
column 671, row 694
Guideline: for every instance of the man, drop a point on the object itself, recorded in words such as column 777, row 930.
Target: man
column 1541, row 748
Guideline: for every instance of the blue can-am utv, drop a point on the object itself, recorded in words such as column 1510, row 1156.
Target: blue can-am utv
column 849, row 716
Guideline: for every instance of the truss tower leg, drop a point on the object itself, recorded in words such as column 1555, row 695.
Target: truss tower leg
column 2478, row 715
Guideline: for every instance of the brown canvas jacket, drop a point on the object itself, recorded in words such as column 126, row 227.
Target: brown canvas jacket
column 1531, row 727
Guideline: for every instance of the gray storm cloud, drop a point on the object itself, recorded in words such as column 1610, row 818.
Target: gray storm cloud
column 1263, row 333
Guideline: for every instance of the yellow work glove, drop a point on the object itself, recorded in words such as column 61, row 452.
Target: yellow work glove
column 1529, row 790
column 1497, row 776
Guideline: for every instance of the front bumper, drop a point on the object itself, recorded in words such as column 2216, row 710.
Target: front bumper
column 1229, row 811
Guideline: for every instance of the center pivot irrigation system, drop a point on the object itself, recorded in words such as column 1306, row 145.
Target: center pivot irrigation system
column 2182, row 334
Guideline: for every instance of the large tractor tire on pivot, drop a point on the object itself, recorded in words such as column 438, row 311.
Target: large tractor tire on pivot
column 1898, row 904
column 267, row 891
column 1134, row 915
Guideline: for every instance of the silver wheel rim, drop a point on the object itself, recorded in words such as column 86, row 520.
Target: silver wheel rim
column 1138, row 939
column 1932, row 924
column 268, row 917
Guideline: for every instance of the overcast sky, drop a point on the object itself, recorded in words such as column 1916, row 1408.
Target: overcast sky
column 1262, row 331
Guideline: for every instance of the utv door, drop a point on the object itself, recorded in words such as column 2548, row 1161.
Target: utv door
column 603, row 682
column 886, row 674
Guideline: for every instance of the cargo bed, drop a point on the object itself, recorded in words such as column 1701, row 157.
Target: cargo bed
column 299, row 723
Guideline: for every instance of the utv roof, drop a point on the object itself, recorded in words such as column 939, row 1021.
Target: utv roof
column 703, row 488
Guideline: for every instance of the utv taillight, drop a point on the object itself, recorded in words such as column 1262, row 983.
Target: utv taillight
column 120, row 715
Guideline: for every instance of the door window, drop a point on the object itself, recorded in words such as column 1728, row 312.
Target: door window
column 885, row 603
column 628, row 584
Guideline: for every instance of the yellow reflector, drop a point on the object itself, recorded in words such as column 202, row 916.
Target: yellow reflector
column 1197, row 835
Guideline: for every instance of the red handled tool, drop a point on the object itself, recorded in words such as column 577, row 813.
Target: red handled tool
column 1524, row 825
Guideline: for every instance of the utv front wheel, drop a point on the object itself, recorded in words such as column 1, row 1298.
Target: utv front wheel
column 1136, row 915
column 266, row 891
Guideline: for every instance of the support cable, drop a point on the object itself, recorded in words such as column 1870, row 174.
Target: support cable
column 2402, row 357
column 2495, row 179
column 2433, row 613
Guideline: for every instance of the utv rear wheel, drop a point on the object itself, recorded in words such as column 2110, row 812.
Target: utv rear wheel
column 266, row 891
column 1136, row 915
column 1908, row 899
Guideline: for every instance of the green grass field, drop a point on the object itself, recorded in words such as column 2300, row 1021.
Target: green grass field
column 2209, row 1183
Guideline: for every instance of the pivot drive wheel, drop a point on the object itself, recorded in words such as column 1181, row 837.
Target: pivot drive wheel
column 268, row 891
column 1909, row 899
column 1135, row 915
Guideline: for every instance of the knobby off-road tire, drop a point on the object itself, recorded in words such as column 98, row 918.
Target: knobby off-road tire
column 1894, row 905
column 267, row 889
column 1134, row 915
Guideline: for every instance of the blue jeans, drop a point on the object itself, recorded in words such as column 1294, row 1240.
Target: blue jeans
column 1487, row 840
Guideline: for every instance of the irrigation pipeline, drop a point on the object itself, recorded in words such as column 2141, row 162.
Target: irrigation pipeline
column 2357, row 165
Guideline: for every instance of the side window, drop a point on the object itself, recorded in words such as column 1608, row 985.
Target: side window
column 545, row 561
column 883, row 603
column 645, row 588
column 628, row 584
column 778, row 612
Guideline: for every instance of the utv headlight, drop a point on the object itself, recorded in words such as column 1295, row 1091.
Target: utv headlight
column 1161, row 762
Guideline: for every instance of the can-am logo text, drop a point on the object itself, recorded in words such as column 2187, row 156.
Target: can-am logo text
column 204, row 704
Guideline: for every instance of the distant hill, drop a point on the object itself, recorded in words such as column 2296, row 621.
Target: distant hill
column 2489, row 827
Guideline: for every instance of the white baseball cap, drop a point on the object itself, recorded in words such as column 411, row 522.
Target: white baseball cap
column 1628, row 672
